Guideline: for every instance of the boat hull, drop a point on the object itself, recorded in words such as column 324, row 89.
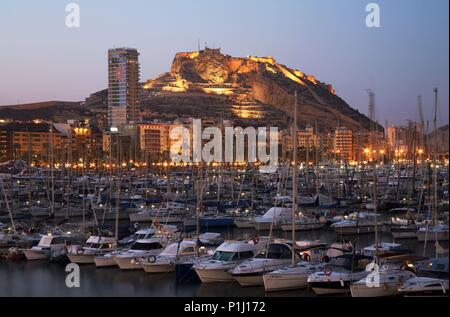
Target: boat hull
column 159, row 268
column 214, row 275
column 254, row 279
column 281, row 282
column 34, row 255
column 103, row 261
column 432, row 236
column 265, row 226
column 329, row 288
column 244, row 224
column 399, row 234
column 384, row 290
column 355, row 230
column 125, row 263
column 81, row 259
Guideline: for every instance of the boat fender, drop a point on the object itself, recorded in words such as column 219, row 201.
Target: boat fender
column 327, row 270
column 80, row 251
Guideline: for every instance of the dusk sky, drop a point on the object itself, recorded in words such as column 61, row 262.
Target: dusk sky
column 41, row 59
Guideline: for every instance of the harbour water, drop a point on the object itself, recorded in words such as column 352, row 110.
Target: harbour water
column 39, row 278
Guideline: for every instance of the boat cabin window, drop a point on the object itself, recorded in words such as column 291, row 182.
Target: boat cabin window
column 58, row 241
column 139, row 236
column 433, row 285
column 245, row 255
column 146, row 246
column 100, row 246
column 224, row 256
column 276, row 252
column 189, row 250
column 344, row 262
column 440, row 267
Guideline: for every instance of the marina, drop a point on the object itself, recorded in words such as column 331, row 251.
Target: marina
column 148, row 155
column 245, row 222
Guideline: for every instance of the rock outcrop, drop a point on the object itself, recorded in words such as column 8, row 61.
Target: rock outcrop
column 258, row 84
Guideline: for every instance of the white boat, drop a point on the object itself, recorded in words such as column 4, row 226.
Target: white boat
column 128, row 259
column 170, row 212
column 250, row 272
column 381, row 248
column 107, row 260
column 437, row 232
column 314, row 259
column 244, row 222
column 304, row 223
column 226, row 257
column 337, row 276
column 288, row 278
column 165, row 261
column 424, row 286
column 210, row 239
column 48, row 246
column 94, row 246
column 144, row 233
column 272, row 218
column 356, row 224
column 404, row 232
column 386, row 284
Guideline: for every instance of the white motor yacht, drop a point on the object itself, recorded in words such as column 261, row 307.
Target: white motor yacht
column 226, row 257
column 94, row 246
column 165, row 261
column 48, row 246
column 291, row 277
column 336, row 277
column 424, row 286
column 304, row 223
column 315, row 256
column 144, row 233
column 272, row 218
column 277, row 255
column 437, row 232
column 127, row 259
column 385, row 284
column 356, row 224
column 107, row 260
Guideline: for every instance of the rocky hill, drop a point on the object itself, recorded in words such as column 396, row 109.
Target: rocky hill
column 208, row 84
column 253, row 90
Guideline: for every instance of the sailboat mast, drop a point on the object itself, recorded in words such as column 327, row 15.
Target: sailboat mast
column 52, row 170
column 7, row 204
column 30, row 191
column 294, row 176
column 435, row 156
column 375, row 203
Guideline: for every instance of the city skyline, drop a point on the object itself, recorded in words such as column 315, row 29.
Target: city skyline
column 406, row 57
